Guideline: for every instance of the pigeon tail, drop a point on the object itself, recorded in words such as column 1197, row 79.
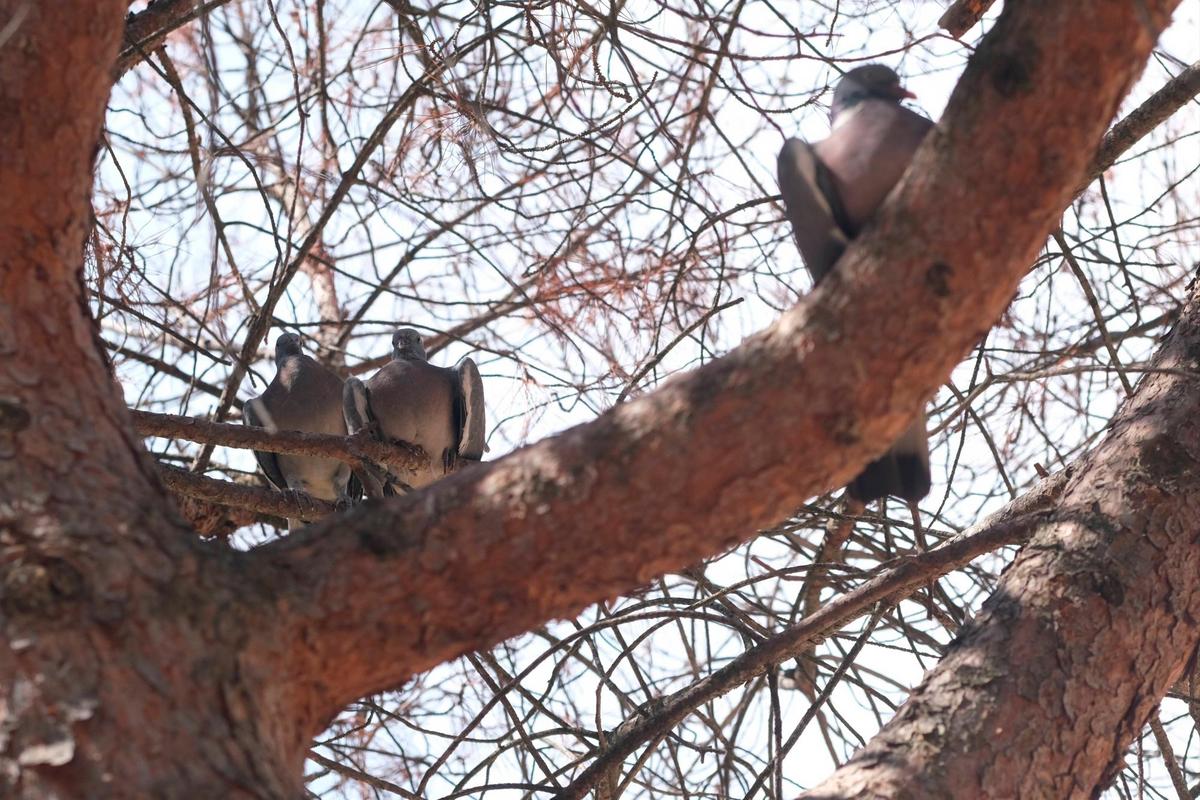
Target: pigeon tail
column 356, row 406
column 901, row 472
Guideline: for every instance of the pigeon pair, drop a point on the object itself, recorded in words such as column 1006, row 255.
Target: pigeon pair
column 831, row 190
column 439, row 409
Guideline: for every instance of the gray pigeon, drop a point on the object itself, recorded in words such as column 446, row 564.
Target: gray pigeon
column 439, row 409
column 831, row 189
column 303, row 396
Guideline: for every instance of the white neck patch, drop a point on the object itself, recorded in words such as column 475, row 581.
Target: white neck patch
column 845, row 116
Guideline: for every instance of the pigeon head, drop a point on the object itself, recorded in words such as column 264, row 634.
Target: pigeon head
column 287, row 344
column 872, row 81
column 407, row 344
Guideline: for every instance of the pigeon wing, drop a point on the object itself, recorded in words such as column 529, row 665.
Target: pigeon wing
column 813, row 207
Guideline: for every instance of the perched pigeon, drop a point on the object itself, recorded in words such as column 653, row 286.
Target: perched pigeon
column 303, row 396
column 439, row 409
column 831, row 189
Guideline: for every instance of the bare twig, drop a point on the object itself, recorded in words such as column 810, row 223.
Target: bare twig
column 1007, row 526
column 1090, row 294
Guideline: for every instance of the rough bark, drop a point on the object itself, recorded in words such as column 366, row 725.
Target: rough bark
column 140, row 662
column 489, row 553
column 1040, row 695
column 121, row 672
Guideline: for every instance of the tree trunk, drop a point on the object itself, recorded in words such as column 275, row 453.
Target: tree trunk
column 137, row 661
column 120, row 633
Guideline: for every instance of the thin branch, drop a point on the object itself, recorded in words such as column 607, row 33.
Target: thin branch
column 1174, row 95
column 359, row 775
column 351, row 450
column 1168, row 755
column 158, row 365
column 291, row 504
column 1007, row 526
column 1094, row 304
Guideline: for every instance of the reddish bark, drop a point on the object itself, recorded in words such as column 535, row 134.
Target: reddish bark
column 679, row 474
column 120, row 632
column 1041, row 694
column 139, row 662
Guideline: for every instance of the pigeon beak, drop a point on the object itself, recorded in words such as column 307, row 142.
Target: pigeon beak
column 905, row 93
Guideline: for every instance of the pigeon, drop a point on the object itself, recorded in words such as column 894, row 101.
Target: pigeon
column 831, row 189
column 439, row 409
column 305, row 396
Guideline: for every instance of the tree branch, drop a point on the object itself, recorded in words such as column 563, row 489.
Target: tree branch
column 65, row 439
column 1090, row 626
column 218, row 520
column 352, row 450
column 1174, row 94
column 1009, row 525
column 962, row 15
column 147, row 29
column 293, row 504
column 660, row 482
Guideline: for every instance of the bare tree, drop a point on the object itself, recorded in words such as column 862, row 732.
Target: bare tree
column 583, row 195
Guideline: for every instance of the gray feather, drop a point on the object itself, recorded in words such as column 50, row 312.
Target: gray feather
column 303, row 396
column 254, row 414
column 811, row 199
column 438, row 409
column 831, row 191
column 472, row 439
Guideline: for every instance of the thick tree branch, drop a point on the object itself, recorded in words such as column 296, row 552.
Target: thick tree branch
column 110, row 644
column 1088, row 629
column 64, row 432
column 655, row 484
